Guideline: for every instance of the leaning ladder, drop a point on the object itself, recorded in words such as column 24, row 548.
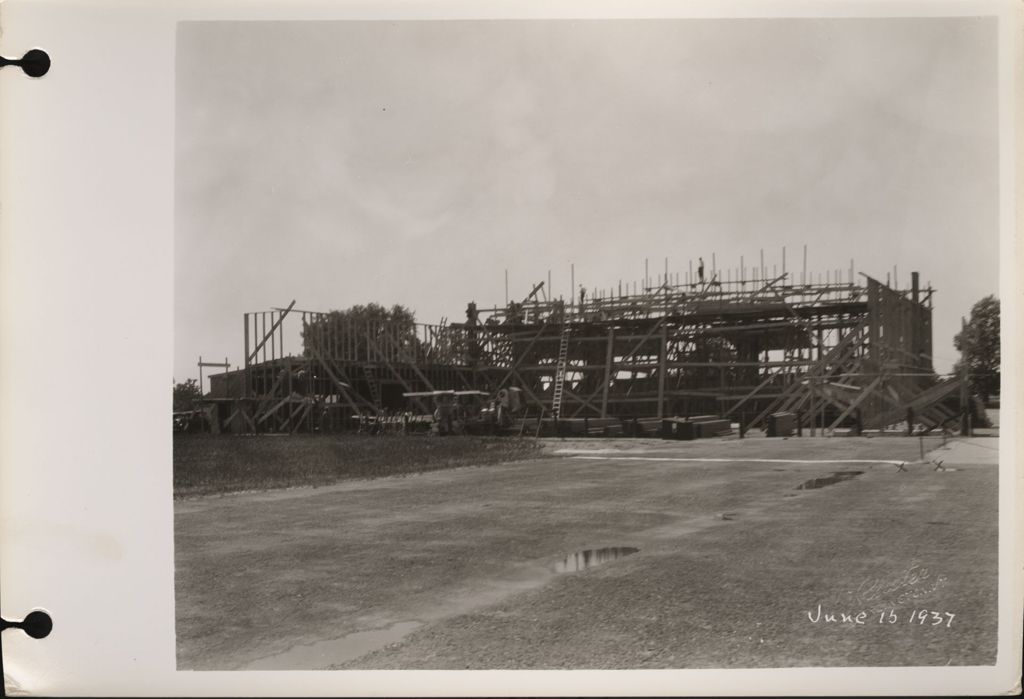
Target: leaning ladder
column 563, row 360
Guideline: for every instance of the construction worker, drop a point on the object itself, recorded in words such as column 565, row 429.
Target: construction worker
column 700, row 269
column 583, row 296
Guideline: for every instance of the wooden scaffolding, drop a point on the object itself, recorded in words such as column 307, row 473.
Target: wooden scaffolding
column 834, row 353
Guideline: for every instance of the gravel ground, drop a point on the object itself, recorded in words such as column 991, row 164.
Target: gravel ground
column 456, row 569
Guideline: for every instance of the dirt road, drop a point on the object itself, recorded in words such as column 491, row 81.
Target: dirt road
column 735, row 565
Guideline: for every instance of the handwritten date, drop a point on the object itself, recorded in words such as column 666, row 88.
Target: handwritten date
column 921, row 617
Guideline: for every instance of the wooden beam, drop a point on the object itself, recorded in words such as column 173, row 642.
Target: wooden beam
column 794, row 395
column 247, row 380
column 584, row 402
column 750, row 395
column 608, row 358
column 330, row 374
column 522, row 356
column 268, row 335
column 527, row 391
column 662, row 371
column 271, row 411
column 268, row 396
column 371, row 344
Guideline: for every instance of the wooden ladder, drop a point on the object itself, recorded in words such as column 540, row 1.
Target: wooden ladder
column 560, row 370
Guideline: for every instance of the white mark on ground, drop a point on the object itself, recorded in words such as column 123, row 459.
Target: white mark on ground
column 736, row 460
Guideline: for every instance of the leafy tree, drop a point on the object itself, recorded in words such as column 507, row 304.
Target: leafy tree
column 185, row 393
column 349, row 329
column 979, row 344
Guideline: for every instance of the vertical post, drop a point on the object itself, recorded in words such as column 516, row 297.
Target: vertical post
column 263, row 333
column 247, row 377
column 689, row 275
column 661, row 371
column 609, row 357
column 811, row 407
column 803, row 277
column 572, row 286
column 721, row 386
column 743, row 270
column 200, row 374
column 714, row 265
column 762, row 264
column 783, row 259
column 915, row 292
column 647, row 274
column 261, row 329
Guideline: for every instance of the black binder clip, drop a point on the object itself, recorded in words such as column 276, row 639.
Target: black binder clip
column 35, row 63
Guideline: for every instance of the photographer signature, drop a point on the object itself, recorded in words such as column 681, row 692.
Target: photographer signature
column 891, row 591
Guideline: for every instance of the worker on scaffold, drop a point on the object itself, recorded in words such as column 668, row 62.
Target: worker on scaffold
column 700, row 269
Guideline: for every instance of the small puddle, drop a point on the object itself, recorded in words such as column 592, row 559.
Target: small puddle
column 323, row 654
column 581, row 560
column 836, row 477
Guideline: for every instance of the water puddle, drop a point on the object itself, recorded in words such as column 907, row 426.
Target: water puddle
column 837, row 477
column 323, row 654
column 581, row 560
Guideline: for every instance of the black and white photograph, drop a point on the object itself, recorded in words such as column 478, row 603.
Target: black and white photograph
column 595, row 344
column 529, row 348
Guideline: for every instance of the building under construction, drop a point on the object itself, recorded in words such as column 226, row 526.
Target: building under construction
column 835, row 354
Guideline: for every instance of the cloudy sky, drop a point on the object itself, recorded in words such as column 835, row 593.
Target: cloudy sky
column 337, row 163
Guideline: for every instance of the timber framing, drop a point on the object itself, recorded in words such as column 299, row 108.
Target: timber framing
column 834, row 353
